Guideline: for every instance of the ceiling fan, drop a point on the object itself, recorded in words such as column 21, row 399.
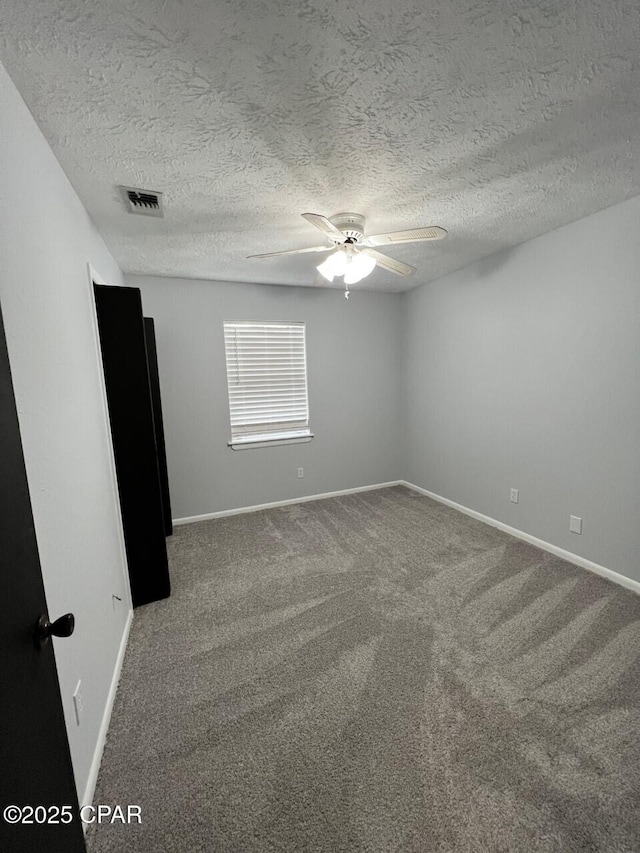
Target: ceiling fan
column 354, row 256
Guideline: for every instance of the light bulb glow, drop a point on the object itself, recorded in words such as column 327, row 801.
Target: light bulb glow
column 352, row 276
column 366, row 264
column 334, row 265
column 353, row 267
column 325, row 270
column 360, row 267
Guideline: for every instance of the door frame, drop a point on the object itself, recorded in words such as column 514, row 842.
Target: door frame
column 87, row 798
column 94, row 277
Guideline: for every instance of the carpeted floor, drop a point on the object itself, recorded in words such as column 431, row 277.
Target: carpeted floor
column 376, row 672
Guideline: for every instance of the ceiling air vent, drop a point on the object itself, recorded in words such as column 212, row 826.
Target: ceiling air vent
column 143, row 202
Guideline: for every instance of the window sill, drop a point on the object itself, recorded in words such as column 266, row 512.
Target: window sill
column 274, row 442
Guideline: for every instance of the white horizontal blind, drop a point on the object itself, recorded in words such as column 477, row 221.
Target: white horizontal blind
column 267, row 380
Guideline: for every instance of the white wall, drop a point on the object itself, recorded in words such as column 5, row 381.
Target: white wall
column 523, row 371
column 352, row 362
column 46, row 240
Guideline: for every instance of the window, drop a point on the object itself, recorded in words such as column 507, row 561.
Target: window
column 267, row 381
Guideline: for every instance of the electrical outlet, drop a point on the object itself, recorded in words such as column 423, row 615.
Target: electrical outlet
column 78, row 702
column 515, row 496
column 575, row 524
column 300, row 473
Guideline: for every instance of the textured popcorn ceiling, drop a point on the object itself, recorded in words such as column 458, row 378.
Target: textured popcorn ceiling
column 497, row 120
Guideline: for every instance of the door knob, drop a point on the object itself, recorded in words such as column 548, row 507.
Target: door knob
column 62, row 627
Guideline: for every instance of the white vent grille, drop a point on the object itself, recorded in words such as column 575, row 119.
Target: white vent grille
column 143, row 202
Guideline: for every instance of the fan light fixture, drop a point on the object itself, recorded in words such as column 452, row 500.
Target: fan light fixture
column 354, row 267
column 353, row 255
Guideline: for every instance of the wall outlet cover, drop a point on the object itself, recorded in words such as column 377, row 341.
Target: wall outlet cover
column 300, row 473
column 515, row 496
column 575, row 524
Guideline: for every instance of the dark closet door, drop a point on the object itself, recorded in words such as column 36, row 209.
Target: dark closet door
column 35, row 763
column 156, row 402
column 124, row 358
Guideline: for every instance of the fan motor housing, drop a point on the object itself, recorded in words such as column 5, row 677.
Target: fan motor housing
column 351, row 225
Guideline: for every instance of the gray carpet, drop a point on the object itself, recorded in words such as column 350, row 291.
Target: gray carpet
column 376, row 672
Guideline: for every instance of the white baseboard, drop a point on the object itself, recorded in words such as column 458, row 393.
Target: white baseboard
column 240, row 510
column 90, row 788
column 577, row 560
column 622, row 580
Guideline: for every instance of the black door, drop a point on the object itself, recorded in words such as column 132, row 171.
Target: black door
column 126, row 374
column 35, row 763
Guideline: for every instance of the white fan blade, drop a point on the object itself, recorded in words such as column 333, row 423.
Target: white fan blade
column 294, row 252
column 413, row 235
column 325, row 226
column 387, row 263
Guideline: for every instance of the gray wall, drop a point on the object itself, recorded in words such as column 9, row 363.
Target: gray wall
column 524, row 371
column 46, row 240
column 353, row 366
